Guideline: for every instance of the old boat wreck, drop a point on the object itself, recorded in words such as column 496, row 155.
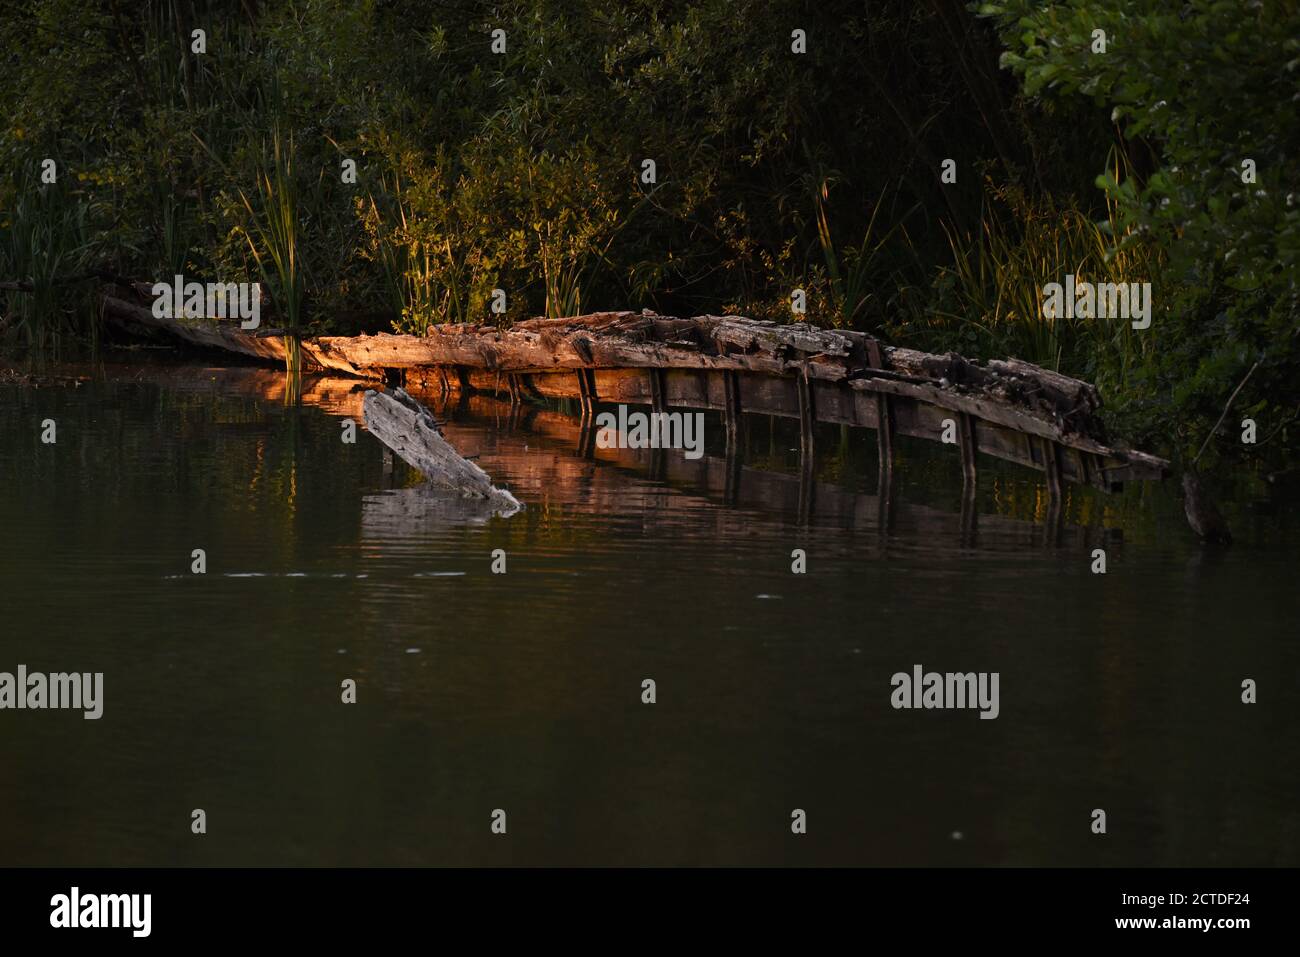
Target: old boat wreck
column 1005, row 409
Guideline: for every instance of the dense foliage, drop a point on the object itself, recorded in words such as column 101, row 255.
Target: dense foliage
column 774, row 169
column 1214, row 88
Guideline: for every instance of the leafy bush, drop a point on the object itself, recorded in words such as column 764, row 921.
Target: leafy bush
column 775, row 169
column 1209, row 85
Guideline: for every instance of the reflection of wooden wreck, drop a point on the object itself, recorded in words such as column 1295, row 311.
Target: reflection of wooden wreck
column 408, row 428
column 423, row 511
column 536, row 447
column 1006, row 409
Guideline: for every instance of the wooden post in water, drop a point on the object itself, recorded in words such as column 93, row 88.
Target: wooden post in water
column 969, row 517
column 807, row 415
column 658, row 470
column 807, row 488
column 658, row 402
column 1052, row 465
column 966, row 442
column 884, row 442
column 731, row 488
column 587, row 392
column 1054, row 524
column 731, row 410
column 586, row 438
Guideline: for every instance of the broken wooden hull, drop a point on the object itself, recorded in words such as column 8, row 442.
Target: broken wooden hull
column 1009, row 410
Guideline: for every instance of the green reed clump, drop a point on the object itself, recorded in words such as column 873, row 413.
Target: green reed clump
column 853, row 276
column 991, row 295
column 273, row 239
column 44, row 242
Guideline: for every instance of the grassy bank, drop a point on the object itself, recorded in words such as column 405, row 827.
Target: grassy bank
column 917, row 170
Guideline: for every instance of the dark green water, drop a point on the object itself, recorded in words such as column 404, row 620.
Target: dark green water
column 522, row 691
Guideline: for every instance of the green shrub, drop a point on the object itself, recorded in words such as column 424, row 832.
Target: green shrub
column 1208, row 85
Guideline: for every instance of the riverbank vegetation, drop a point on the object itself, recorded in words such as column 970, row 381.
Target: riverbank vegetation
column 517, row 161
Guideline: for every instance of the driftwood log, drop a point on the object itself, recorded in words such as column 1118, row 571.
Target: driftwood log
column 411, row 431
column 1007, row 409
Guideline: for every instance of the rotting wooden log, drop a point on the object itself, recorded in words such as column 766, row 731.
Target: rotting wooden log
column 788, row 370
column 1072, row 392
column 410, row 430
column 627, row 340
column 205, row 333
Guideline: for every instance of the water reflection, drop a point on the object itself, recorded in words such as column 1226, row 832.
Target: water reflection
column 324, row 563
column 1012, row 506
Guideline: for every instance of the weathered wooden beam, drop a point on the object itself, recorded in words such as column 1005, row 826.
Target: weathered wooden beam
column 407, row 427
column 209, row 334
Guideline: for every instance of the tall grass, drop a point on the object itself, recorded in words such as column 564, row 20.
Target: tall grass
column 855, row 275
column 273, row 240
column 563, row 289
column 992, row 293
column 44, row 237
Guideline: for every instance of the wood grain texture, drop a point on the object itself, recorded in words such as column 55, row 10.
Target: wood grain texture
column 410, row 430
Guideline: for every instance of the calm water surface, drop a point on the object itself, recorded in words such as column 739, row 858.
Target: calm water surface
column 522, row 691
